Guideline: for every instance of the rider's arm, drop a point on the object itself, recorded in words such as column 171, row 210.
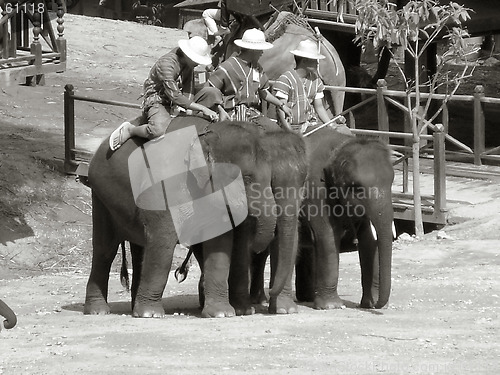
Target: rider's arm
column 211, row 17
column 320, row 109
column 270, row 98
column 168, row 71
column 318, row 101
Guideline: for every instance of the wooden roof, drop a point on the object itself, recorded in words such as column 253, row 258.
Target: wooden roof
column 194, row 3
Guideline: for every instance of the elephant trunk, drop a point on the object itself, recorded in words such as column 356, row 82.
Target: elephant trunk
column 266, row 222
column 382, row 221
column 10, row 318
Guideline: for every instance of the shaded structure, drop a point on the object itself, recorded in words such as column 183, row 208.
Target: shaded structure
column 340, row 31
column 29, row 48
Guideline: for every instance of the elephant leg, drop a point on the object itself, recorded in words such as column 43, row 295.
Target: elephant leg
column 257, row 293
column 326, row 263
column 105, row 246
column 304, row 268
column 283, row 303
column 157, row 261
column 216, row 265
column 368, row 261
column 239, row 271
column 137, row 259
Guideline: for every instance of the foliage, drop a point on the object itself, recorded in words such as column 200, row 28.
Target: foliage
column 413, row 25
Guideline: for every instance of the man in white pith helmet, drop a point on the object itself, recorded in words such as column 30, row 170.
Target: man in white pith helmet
column 243, row 83
column 168, row 90
column 302, row 90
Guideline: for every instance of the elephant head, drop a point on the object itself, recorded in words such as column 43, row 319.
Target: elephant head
column 10, row 318
column 362, row 173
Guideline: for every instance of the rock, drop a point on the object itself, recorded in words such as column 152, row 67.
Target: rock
column 405, row 237
column 491, row 61
column 441, row 235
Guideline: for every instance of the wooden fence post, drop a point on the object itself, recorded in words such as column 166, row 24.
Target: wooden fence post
column 69, row 128
column 479, row 132
column 61, row 41
column 439, row 170
column 383, row 118
column 36, row 48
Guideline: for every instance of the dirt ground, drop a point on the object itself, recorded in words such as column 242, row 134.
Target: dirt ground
column 443, row 316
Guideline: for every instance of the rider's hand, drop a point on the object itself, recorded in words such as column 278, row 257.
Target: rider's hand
column 222, row 31
column 287, row 110
column 213, row 116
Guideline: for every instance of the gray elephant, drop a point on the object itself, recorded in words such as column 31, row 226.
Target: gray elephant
column 347, row 200
column 10, row 318
column 116, row 218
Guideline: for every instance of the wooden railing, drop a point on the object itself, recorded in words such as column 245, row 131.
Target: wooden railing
column 24, row 24
column 384, row 97
column 340, row 17
column 434, row 207
column 73, row 155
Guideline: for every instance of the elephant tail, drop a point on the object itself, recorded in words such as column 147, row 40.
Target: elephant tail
column 10, row 318
column 124, row 270
column 182, row 271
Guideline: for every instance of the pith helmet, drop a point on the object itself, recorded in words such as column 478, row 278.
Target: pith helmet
column 196, row 49
column 308, row 49
column 253, row 39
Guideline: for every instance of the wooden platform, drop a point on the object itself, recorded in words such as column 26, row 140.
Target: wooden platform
column 466, row 185
column 29, row 47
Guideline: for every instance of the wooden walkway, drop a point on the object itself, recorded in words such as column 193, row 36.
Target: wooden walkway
column 467, row 185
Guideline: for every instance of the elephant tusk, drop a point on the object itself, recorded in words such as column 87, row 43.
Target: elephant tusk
column 374, row 232
column 394, row 235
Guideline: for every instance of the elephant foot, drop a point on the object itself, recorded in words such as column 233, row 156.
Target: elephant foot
column 304, row 295
column 282, row 305
column 367, row 303
column 149, row 310
column 96, row 308
column 244, row 310
column 328, row 303
column 242, row 306
column 217, row 310
column 259, row 298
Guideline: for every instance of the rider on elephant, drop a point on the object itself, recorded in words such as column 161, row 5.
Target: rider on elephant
column 243, row 83
column 168, row 90
column 302, row 89
column 217, row 19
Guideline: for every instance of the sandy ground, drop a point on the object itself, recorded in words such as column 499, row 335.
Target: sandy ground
column 443, row 317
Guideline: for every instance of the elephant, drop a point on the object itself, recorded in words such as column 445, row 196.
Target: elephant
column 347, row 203
column 116, row 218
column 289, row 168
column 10, row 317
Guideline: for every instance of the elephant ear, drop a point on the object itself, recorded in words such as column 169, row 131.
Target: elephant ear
column 196, row 163
column 341, row 164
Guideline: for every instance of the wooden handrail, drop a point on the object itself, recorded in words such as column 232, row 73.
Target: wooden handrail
column 478, row 100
